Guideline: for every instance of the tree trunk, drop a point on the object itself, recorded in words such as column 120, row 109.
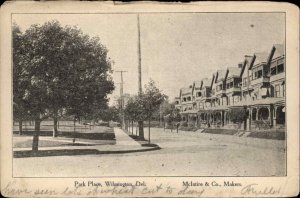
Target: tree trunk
column 55, row 120
column 149, row 131
column 136, row 131
column 35, row 143
column 74, row 130
column 141, row 130
column 20, row 127
column 132, row 127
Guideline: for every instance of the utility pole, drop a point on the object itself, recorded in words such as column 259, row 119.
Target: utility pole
column 140, row 122
column 139, row 56
column 122, row 100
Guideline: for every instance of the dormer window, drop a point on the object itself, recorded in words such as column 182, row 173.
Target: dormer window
column 276, row 69
column 280, row 68
column 257, row 73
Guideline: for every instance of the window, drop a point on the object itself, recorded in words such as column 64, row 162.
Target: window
column 259, row 74
column 245, row 82
column 219, row 87
column 277, row 91
column 237, row 83
column 280, row 68
column 277, row 69
column 201, row 105
column 273, row 71
column 199, row 94
column 189, row 98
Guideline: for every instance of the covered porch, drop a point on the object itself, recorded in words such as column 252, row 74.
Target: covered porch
column 264, row 114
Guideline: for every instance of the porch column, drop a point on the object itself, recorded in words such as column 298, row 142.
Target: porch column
column 249, row 119
column 258, row 117
column 222, row 117
column 275, row 116
column 271, row 115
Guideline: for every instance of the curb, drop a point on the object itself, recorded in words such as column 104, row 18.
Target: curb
column 78, row 151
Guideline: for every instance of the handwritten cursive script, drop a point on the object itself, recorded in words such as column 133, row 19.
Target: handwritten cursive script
column 11, row 190
column 188, row 191
column 254, row 189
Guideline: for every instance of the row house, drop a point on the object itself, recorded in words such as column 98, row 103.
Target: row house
column 263, row 89
column 186, row 102
column 256, row 85
column 177, row 103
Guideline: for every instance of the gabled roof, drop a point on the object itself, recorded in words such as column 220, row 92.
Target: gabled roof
column 260, row 57
column 197, row 84
column 233, row 72
column 221, row 74
column 246, row 63
column 185, row 91
column 206, row 82
column 279, row 51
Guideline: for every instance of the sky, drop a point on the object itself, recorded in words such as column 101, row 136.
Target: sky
column 176, row 48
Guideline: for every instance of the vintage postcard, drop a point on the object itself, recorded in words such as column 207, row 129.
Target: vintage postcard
column 111, row 99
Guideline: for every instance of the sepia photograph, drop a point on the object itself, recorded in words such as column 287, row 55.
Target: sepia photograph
column 150, row 94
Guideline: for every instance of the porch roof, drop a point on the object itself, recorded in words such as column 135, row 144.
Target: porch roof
column 266, row 101
column 193, row 111
column 217, row 108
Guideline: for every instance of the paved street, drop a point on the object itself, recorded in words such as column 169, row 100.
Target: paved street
column 183, row 154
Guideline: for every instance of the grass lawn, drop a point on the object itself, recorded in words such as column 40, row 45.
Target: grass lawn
column 275, row 135
column 84, row 135
column 67, row 130
column 27, row 143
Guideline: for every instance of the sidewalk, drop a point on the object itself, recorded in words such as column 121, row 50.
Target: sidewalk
column 124, row 144
column 122, row 139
